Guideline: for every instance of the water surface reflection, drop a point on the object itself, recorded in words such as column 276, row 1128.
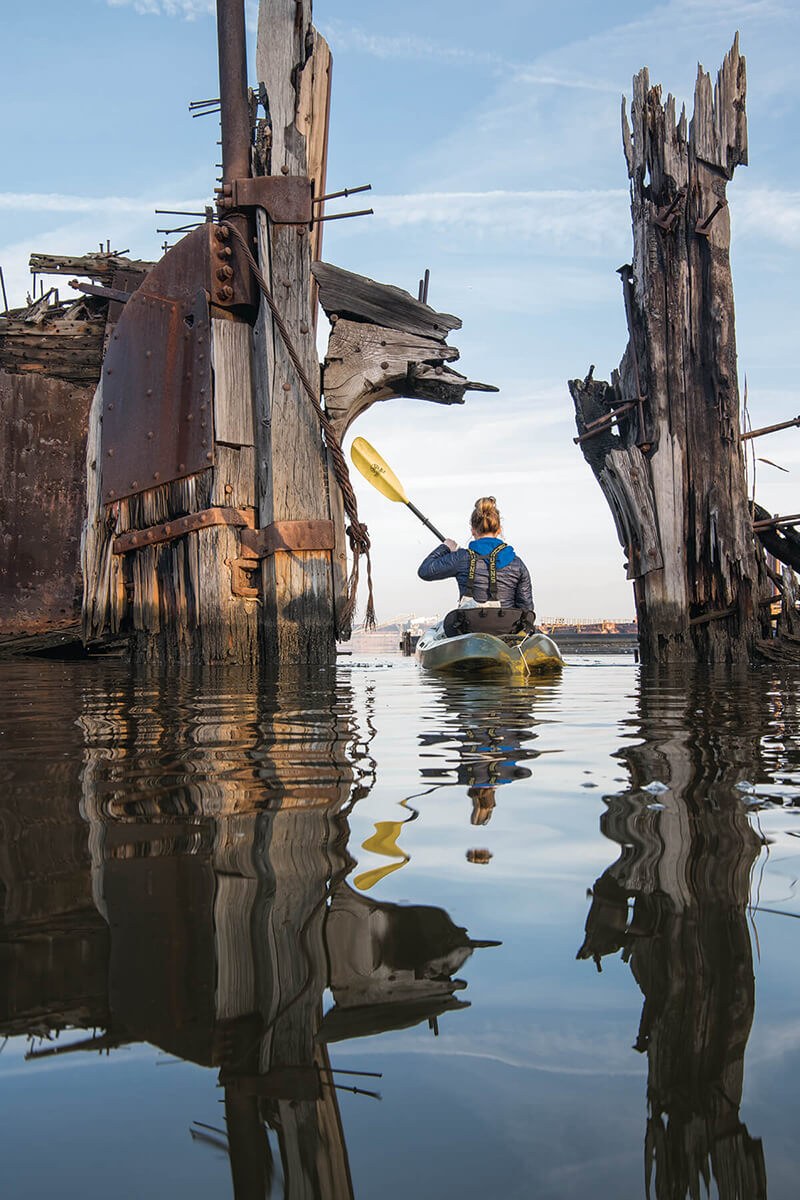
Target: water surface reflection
column 676, row 904
column 277, row 885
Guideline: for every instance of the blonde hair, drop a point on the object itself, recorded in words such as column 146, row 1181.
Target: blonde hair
column 485, row 519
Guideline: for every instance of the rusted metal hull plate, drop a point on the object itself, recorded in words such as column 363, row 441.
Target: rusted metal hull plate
column 157, row 414
column 42, row 485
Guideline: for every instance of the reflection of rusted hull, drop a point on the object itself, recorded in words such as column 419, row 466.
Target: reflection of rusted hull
column 44, row 424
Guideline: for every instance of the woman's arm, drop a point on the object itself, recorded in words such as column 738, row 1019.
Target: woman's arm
column 441, row 563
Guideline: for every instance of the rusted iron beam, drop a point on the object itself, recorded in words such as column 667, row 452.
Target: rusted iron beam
column 134, row 539
column 235, row 115
column 754, row 433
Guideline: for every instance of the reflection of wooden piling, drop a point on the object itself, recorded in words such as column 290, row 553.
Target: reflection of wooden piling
column 686, row 864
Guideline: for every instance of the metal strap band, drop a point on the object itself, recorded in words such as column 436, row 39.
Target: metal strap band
column 135, row 539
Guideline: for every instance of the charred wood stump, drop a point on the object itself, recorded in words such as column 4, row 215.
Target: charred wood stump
column 663, row 437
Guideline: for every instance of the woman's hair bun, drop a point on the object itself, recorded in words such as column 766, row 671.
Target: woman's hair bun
column 485, row 519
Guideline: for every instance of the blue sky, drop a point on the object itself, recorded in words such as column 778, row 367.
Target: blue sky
column 491, row 137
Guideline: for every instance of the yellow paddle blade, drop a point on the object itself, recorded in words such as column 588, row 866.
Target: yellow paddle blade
column 378, row 472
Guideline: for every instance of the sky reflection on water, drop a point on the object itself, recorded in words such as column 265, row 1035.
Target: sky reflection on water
column 241, row 890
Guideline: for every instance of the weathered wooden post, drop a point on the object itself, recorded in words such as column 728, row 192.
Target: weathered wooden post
column 217, row 488
column 298, row 619
column 663, row 438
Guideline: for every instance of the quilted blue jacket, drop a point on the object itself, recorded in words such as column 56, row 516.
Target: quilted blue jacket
column 513, row 579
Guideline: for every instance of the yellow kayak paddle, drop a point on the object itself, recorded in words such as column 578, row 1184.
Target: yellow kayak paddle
column 381, row 476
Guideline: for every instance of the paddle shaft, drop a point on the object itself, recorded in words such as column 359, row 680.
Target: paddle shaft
column 425, row 521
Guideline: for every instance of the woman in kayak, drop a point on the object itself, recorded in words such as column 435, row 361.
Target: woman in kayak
column 488, row 572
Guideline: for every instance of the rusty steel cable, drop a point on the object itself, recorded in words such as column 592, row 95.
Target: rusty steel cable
column 356, row 531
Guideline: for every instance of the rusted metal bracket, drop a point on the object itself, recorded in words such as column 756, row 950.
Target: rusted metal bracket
column 287, row 536
column 604, row 423
column 135, row 539
column 286, row 198
column 667, row 216
column 703, row 226
column 242, row 576
column 777, row 522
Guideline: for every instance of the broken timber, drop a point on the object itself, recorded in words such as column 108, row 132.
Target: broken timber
column 383, row 343
column 672, row 470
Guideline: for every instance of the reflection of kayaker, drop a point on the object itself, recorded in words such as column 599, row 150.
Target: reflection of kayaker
column 483, row 803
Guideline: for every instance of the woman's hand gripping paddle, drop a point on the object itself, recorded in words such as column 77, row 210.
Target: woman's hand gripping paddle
column 382, row 477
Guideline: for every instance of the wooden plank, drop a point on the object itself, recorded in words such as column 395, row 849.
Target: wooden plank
column 231, row 351
column 347, row 294
column 313, row 113
column 95, row 266
column 234, row 476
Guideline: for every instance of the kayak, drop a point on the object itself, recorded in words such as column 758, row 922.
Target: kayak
column 483, row 652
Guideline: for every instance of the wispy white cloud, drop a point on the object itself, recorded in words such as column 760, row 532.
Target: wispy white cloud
column 412, row 47
column 408, row 46
column 185, row 10
column 555, row 216
column 188, row 10
column 770, row 214
column 58, row 202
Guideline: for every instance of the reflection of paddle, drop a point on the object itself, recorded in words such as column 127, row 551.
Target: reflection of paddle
column 382, row 477
column 384, row 842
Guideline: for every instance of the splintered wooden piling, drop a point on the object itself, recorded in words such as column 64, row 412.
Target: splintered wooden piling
column 668, row 456
column 298, row 622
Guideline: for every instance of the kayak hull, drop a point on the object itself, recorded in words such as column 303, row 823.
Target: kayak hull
column 482, row 653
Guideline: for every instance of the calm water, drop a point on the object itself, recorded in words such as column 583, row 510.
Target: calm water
column 369, row 933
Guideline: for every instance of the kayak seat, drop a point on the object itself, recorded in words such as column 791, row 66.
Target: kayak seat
column 500, row 622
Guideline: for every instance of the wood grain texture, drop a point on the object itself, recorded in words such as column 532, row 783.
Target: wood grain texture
column 681, row 360
column 298, row 610
column 231, row 348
